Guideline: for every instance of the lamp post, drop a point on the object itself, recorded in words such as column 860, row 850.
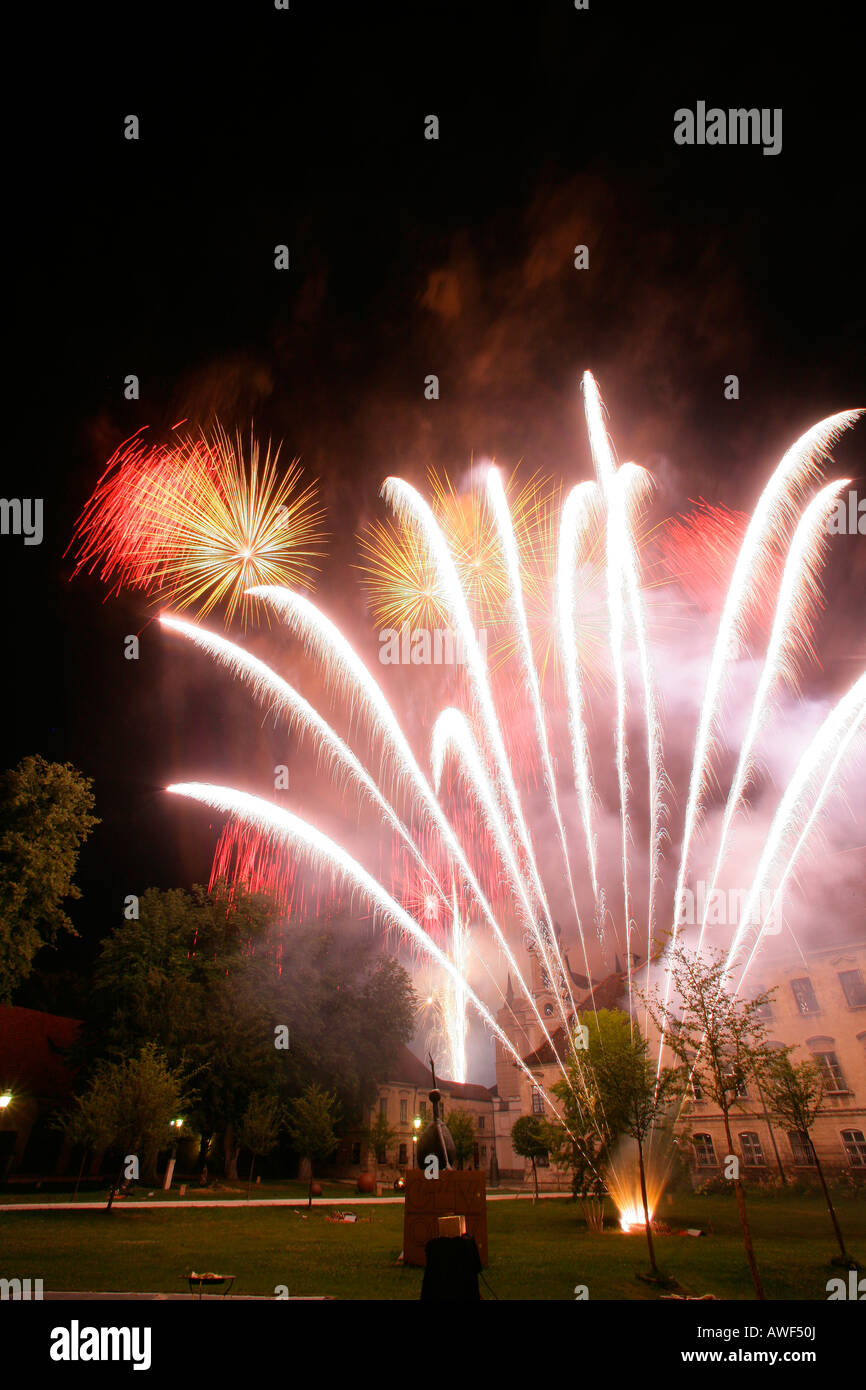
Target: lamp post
column 416, row 1125
column 5, row 1102
column 177, row 1126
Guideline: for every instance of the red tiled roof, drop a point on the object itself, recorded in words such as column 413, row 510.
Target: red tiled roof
column 407, row 1067
column 29, row 1062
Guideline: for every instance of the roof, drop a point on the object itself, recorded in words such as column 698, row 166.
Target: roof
column 406, row 1067
column 605, row 996
column 30, row 1046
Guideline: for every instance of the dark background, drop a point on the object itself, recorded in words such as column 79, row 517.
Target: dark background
column 407, row 257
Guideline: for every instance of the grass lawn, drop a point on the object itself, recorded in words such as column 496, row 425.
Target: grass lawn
column 216, row 1191
column 536, row 1252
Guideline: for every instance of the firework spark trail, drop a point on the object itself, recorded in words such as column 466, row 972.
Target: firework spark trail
column 502, row 517
column 623, row 577
column 266, row 684
column 456, row 1016
column 616, row 542
column 799, row 589
column 324, row 638
column 452, row 731
column 632, row 479
column 410, row 507
column 851, row 707
column 576, row 513
column 270, row 819
column 827, row 786
column 775, row 510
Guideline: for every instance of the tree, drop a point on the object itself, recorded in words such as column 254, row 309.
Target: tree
column 721, row 1039
column 45, row 817
column 203, row 974
column 462, row 1127
column 260, row 1127
column 380, row 1135
column 795, row 1094
column 626, row 1079
column 529, row 1139
column 128, row 1106
column 312, row 1117
column 187, row 971
column 592, row 1121
column 84, row 1126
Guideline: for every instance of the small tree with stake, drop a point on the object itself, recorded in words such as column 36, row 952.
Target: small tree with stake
column 721, row 1039
column 260, row 1128
column 795, row 1093
column 627, row 1080
column 529, row 1140
column 312, row 1117
column 129, row 1105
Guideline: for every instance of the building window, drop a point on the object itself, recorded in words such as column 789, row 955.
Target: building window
column 753, row 1154
column 764, row 1012
column 696, row 1087
column 537, row 1101
column 383, row 1106
column 801, row 1148
column 853, row 987
column 704, row 1151
column 404, row 1112
column 422, row 1109
column 542, row 1161
column 483, row 1150
column 855, row 1147
column 831, row 1072
column 804, row 996
column 481, row 1121
column 356, row 1153
column 403, row 1157
column 504, row 1105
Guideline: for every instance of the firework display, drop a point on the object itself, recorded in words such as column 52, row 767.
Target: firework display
column 487, row 908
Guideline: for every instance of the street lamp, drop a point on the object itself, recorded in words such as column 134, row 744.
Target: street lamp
column 416, row 1125
column 169, row 1167
column 5, row 1099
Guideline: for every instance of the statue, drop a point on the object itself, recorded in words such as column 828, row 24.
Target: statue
column 436, row 1138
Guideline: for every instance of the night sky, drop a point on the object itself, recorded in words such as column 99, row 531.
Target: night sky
column 408, row 257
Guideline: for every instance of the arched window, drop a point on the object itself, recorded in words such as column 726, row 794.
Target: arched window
column 855, row 1147
column 831, row 1072
column 753, row 1153
column 853, row 988
column 704, row 1150
column 801, row 1148
column 804, row 996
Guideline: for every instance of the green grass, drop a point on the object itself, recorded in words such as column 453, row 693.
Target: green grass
column 536, row 1252
column 217, row 1191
